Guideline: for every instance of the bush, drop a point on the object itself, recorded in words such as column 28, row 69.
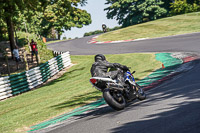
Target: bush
column 45, row 54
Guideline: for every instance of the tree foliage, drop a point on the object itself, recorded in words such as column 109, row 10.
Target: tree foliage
column 129, row 12
column 184, row 6
column 9, row 14
column 64, row 14
column 41, row 16
column 167, row 4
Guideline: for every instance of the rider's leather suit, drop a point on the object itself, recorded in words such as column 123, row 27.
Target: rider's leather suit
column 100, row 69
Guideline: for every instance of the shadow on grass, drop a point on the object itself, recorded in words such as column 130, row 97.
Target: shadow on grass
column 159, row 73
column 65, row 76
column 149, row 70
column 78, row 100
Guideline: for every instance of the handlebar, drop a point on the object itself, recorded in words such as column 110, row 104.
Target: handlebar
column 133, row 72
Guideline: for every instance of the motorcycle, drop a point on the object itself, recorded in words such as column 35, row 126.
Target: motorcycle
column 104, row 28
column 117, row 95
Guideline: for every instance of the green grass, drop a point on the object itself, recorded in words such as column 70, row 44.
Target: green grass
column 181, row 24
column 55, row 41
column 64, row 94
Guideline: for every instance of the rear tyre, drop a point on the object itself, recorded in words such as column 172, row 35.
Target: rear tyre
column 114, row 99
column 140, row 93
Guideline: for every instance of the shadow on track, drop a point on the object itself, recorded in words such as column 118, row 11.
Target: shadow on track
column 177, row 107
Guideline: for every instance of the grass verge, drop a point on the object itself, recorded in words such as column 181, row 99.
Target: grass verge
column 66, row 93
column 180, row 24
column 55, row 41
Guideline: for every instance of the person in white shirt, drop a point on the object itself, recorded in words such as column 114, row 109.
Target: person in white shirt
column 16, row 55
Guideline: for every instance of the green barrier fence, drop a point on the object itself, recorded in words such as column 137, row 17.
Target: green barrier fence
column 25, row 81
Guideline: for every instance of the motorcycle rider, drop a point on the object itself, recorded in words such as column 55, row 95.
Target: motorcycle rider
column 104, row 27
column 101, row 65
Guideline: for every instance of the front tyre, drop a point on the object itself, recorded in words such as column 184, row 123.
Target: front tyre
column 114, row 99
column 140, row 93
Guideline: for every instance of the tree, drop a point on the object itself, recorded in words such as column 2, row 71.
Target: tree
column 64, row 14
column 33, row 22
column 3, row 30
column 42, row 15
column 167, row 4
column 129, row 12
column 182, row 7
column 10, row 10
column 193, row 2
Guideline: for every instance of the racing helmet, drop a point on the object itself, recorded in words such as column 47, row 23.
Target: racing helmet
column 99, row 57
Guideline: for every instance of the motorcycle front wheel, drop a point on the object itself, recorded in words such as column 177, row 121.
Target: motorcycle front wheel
column 114, row 99
column 140, row 93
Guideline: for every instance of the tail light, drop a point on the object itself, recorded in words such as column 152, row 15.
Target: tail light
column 93, row 81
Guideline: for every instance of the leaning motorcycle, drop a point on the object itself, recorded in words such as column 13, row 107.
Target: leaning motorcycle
column 117, row 95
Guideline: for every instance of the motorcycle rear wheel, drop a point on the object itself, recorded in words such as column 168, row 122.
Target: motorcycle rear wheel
column 117, row 103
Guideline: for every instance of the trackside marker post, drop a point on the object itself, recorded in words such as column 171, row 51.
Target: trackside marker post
column 163, row 66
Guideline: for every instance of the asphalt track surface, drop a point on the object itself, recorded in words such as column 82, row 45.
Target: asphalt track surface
column 174, row 106
column 182, row 43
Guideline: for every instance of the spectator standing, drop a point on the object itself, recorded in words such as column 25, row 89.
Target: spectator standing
column 34, row 50
column 16, row 55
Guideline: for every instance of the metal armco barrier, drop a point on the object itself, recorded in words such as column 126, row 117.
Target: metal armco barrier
column 25, row 81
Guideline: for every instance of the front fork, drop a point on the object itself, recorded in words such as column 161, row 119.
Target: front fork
column 139, row 89
column 131, row 91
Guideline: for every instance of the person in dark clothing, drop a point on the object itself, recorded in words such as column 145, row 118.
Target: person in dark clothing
column 34, row 49
column 101, row 65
